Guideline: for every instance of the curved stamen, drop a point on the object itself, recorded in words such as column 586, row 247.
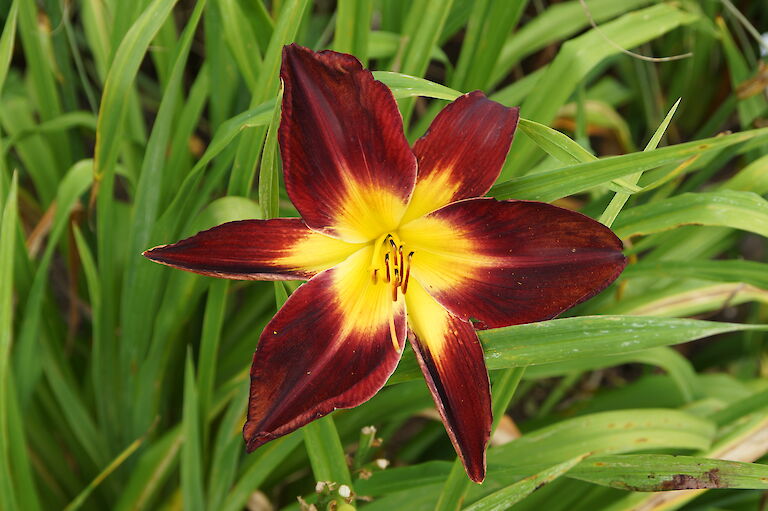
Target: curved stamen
column 407, row 273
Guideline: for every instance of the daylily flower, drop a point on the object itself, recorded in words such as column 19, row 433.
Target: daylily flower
column 395, row 242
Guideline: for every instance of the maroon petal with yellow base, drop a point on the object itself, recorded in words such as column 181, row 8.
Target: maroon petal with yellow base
column 277, row 249
column 511, row 262
column 451, row 358
column 347, row 165
column 462, row 153
column 330, row 346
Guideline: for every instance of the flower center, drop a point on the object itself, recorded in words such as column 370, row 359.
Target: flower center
column 391, row 263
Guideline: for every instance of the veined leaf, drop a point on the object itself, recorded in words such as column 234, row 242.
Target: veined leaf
column 727, row 208
column 582, row 337
column 661, row 472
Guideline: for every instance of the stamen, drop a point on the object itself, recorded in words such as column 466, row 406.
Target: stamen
column 400, row 253
column 374, row 276
column 386, row 264
column 393, row 330
column 395, row 286
column 407, row 273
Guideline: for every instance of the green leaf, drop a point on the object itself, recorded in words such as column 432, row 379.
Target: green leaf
column 405, row 86
column 582, row 338
column 8, row 225
column 249, row 146
column 660, row 472
column 353, row 24
column 554, row 184
column 748, row 272
column 505, row 498
column 191, row 450
column 559, row 21
column 241, row 41
column 603, row 433
column 150, row 473
column 27, row 357
column 618, row 201
column 272, row 455
column 577, row 57
column 269, row 171
column 671, row 361
column 110, row 132
column 739, row 210
column 139, row 297
column 424, row 24
column 325, row 451
column 556, row 144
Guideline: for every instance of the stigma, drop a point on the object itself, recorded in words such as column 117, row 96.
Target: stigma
column 391, row 264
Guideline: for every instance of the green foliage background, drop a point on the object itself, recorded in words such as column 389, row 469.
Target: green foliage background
column 125, row 124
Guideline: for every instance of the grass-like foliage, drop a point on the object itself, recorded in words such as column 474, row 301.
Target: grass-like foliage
column 127, row 124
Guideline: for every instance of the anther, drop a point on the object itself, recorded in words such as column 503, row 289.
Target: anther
column 386, row 264
column 400, row 254
column 374, row 276
column 395, row 287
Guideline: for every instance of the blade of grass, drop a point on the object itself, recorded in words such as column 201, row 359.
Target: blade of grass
column 748, row 272
column 620, row 199
column 269, row 171
column 550, row 185
column 43, row 85
column 739, row 210
column 139, row 297
column 488, row 27
column 423, row 26
column 241, row 41
column 27, row 354
column 109, row 133
column 326, row 454
column 210, row 339
column 250, row 145
column 353, row 25
column 273, row 455
column 558, row 22
column 78, row 501
column 151, row 472
column 191, row 450
column 7, row 239
column 577, row 58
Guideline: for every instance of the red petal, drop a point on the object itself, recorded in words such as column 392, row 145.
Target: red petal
column 451, row 358
column 462, row 153
column 511, row 262
column 329, row 347
column 348, row 168
column 277, row 249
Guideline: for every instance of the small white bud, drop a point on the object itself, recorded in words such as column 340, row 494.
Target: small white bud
column 344, row 491
column 382, row 463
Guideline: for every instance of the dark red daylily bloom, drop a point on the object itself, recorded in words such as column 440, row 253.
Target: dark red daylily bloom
column 394, row 240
